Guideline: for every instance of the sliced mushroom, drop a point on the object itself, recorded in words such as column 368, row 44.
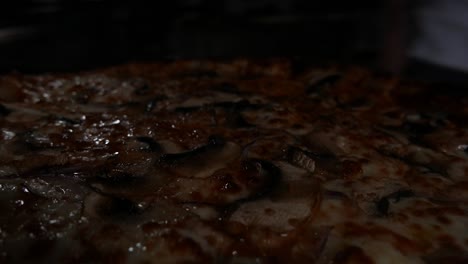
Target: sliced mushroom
column 56, row 187
column 282, row 217
column 271, row 146
column 294, row 200
column 278, row 216
column 203, row 161
column 213, row 174
column 269, row 226
column 129, row 186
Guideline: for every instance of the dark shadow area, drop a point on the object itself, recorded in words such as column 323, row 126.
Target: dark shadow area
column 416, row 39
column 56, row 35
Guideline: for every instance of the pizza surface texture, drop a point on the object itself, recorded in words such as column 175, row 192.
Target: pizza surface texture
column 231, row 162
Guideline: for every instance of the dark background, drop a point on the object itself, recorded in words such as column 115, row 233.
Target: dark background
column 39, row 36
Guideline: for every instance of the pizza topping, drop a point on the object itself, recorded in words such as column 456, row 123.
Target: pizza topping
column 301, row 158
column 271, row 146
column 316, row 85
column 230, row 162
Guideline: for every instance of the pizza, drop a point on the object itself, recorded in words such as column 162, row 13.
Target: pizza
column 231, row 162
